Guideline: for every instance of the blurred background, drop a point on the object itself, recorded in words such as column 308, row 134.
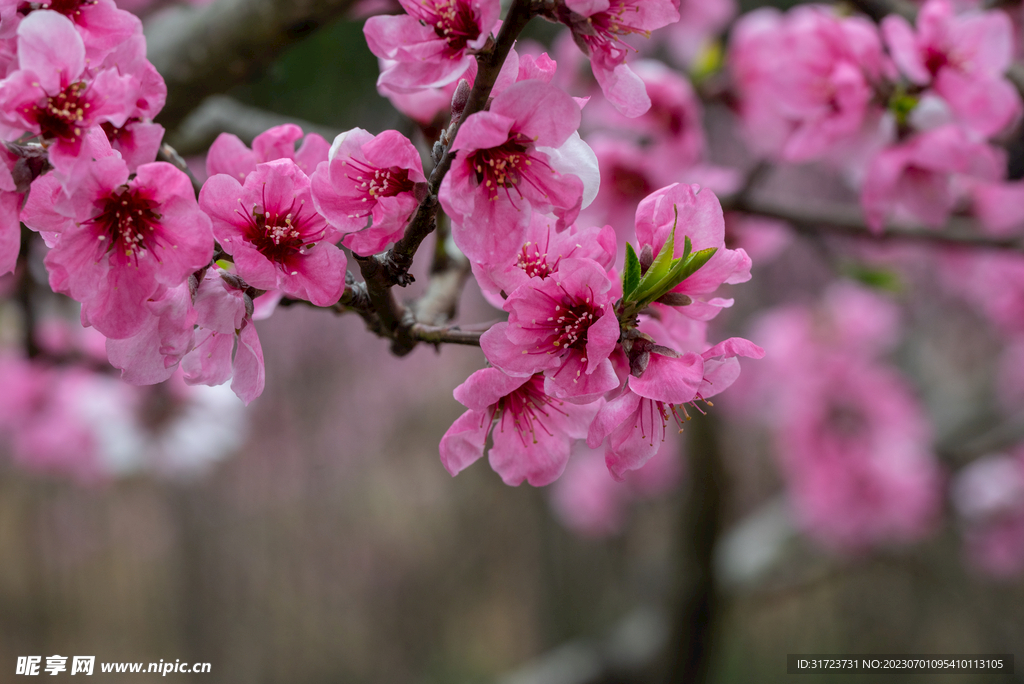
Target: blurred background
column 327, row 544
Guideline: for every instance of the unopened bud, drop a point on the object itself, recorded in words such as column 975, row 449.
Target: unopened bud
column 674, row 299
column 249, row 306
column 638, row 363
column 459, row 98
column 233, row 281
column 646, row 258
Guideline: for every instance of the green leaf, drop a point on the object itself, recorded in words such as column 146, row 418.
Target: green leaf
column 690, row 266
column 901, row 105
column 661, row 267
column 878, row 278
column 631, row 276
column 663, row 261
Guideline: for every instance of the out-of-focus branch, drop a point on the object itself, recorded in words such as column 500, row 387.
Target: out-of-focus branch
column 878, row 9
column 23, row 294
column 222, row 114
column 697, row 611
column 845, row 219
column 170, row 155
column 204, row 50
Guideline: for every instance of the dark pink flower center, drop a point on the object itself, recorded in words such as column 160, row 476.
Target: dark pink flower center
column 846, row 422
column 570, row 324
column 69, row 8
column 934, row 60
column 378, row 183
column 452, row 20
column 630, row 184
column 669, row 117
column 280, row 235
column 535, row 262
column 525, row 410
column 502, row 168
column 613, row 23
column 128, row 224
column 116, row 134
column 63, row 116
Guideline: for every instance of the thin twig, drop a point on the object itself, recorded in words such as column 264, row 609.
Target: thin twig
column 437, row 334
column 170, row 155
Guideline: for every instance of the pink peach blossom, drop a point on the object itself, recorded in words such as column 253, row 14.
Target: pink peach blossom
column 274, row 233
column 598, row 26
column 366, row 190
column 228, row 154
column 121, row 242
column 505, row 169
column 531, row 432
column 433, row 44
column 564, row 325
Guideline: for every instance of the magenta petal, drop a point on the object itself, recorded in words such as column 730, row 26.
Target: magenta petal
column 276, row 143
column 118, row 309
column 252, row 266
column 248, row 374
column 51, row 48
column 571, row 383
column 670, row 380
column 485, row 387
column 483, row 130
column 903, row 46
column 10, row 231
column 391, row 148
column 512, row 358
column 539, row 461
column 630, row 447
column 611, row 415
column 209, row 363
column 314, row 149
column 542, row 112
column 463, row 443
column 229, row 155
column 152, row 355
column 719, row 375
column 319, row 275
column 602, row 337
column 735, row 346
column 624, row 89
column 218, row 307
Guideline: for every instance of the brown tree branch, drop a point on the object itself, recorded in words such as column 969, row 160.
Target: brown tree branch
column 397, row 261
column 847, row 219
column 222, row 114
column 698, row 597
column 23, row 294
column 202, row 51
column 383, row 271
